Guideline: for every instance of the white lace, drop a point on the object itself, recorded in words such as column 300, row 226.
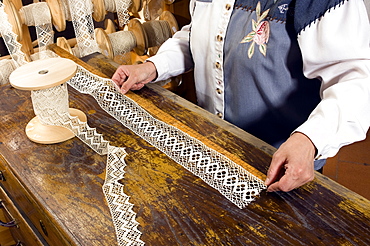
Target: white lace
column 122, row 11
column 38, row 15
column 51, row 106
column 84, row 26
column 10, row 39
column 230, row 179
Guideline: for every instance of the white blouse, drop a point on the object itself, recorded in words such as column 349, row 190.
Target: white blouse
column 334, row 49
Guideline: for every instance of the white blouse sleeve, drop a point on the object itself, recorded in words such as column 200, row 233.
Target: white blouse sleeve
column 336, row 50
column 174, row 57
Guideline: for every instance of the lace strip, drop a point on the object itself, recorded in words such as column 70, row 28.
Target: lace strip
column 51, row 106
column 234, row 182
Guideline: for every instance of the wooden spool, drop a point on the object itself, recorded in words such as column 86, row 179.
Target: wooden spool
column 134, row 26
column 44, row 74
column 67, row 45
column 135, row 7
column 63, row 43
column 17, row 19
column 141, row 36
column 100, row 9
column 172, row 22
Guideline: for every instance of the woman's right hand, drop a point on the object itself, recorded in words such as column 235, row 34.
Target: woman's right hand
column 134, row 77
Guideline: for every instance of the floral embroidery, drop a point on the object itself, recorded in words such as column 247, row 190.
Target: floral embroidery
column 259, row 34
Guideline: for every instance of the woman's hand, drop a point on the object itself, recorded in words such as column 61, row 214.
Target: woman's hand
column 292, row 164
column 134, row 77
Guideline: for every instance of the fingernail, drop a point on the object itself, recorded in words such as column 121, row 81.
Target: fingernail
column 123, row 91
column 267, row 181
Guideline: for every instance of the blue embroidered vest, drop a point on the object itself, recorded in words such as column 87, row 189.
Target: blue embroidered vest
column 266, row 93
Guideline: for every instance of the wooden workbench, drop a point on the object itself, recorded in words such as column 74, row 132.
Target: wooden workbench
column 58, row 188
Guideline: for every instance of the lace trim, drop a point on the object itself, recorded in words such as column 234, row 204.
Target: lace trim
column 10, row 38
column 84, row 26
column 51, row 106
column 230, row 179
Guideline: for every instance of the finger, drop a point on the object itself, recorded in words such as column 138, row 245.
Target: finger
column 128, row 85
column 291, row 180
column 119, row 77
column 273, row 187
column 275, row 170
column 137, row 86
column 286, row 183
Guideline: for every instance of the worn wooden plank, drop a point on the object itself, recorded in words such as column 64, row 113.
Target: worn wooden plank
column 173, row 206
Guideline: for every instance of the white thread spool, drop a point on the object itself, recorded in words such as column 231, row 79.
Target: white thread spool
column 66, row 8
column 123, row 41
column 25, row 17
column 102, row 6
column 70, row 45
column 46, row 79
column 171, row 20
column 158, row 31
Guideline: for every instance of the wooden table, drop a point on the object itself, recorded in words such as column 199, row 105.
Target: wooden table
column 58, row 188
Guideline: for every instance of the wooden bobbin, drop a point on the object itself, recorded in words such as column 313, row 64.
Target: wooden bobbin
column 14, row 19
column 63, row 43
column 171, row 20
column 17, row 19
column 67, row 45
column 135, row 7
column 100, row 9
column 172, row 24
column 134, row 26
column 44, row 74
column 109, row 26
column 57, row 14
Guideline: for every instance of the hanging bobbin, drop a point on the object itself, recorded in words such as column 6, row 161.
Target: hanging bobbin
column 122, row 41
column 24, row 15
column 101, row 7
column 70, row 45
column 46, row 79
column 139, row 37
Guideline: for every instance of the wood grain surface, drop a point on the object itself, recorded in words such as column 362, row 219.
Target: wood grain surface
column 173, row 206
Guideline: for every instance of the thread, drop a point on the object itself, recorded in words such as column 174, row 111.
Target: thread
column 157, row 31
column 66, row 10
column 57, row 104
column 122, row 42
column 121, row 8
column 81, row 12
column 35, row 14
column 110, row 5
column 10, row 38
